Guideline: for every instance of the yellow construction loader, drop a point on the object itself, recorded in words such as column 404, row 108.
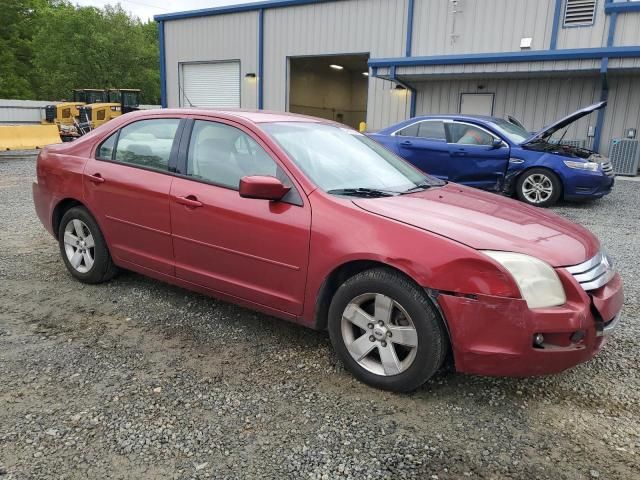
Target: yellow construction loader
column 67, row 121
column 120, row 101
column 66, row 115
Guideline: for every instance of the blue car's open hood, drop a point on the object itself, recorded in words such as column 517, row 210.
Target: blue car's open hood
column 549, row 130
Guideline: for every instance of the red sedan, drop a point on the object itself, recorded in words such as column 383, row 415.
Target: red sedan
column 315, row 223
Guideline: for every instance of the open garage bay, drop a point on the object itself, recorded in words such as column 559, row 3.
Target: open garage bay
column 138, row 379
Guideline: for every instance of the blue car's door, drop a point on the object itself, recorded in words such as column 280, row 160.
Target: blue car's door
column 424, row 144
column 477, row 157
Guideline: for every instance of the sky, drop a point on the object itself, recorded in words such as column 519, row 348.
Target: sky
column 146, row 9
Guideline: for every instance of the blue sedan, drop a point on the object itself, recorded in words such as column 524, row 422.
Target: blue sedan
column 501, row 156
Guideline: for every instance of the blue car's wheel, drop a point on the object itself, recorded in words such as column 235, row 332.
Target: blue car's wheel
column 539, row 187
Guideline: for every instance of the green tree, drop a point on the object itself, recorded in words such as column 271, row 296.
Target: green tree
column 85, row 47
column 18, row 20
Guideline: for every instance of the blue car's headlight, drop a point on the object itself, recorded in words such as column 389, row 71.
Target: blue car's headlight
column 591, row 166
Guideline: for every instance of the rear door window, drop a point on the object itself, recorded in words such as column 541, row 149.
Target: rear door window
column 432, row 129
column 106, row 148
column 146, row 143
column 409, row 131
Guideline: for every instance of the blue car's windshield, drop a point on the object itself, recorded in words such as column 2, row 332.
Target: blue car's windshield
column 513, row 132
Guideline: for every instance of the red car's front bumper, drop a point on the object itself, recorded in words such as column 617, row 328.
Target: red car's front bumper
column 495, row 335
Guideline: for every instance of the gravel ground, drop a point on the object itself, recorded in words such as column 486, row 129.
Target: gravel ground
column 137, row 379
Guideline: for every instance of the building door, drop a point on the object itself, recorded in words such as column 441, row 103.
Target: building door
column 334, row 87
column 476, row 104
column 210, row 84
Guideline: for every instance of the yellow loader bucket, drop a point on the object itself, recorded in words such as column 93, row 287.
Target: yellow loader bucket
column 27, row 137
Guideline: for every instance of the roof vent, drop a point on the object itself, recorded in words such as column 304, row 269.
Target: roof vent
column 579, row 12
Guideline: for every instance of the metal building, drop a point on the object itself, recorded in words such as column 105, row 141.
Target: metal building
column 382, row 61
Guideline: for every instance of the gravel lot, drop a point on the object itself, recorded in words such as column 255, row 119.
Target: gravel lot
column 137, row 379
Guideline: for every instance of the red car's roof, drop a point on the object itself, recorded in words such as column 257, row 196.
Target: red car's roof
column 255, row 116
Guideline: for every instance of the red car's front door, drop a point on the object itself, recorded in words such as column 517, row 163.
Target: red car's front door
column 250, row 249
column 127, row 185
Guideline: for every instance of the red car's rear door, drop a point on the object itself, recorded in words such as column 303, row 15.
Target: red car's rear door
column 251, row 249
column 127, row 185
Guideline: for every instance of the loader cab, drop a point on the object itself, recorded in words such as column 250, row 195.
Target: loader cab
column 68, row 112
column 90, row 95
column 118, row 101
column 94, row 115
column 128, row 98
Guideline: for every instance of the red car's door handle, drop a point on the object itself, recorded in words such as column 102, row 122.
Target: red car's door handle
column 189, row 201
column 96, row 178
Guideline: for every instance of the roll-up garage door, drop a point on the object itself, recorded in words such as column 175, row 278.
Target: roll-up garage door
column 215, row 84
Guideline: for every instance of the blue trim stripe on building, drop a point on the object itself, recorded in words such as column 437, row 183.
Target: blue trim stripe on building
column 509, row 57
column 260, row 59
column 409, row 42
column 163, row 66
column 621, row 7
column 613, row 20
column 246, row 7
column 556, row 25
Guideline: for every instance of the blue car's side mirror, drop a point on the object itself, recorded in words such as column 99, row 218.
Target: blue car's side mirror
column 497, row 143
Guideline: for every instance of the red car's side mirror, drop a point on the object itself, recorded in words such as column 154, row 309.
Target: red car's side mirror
column 262, row 187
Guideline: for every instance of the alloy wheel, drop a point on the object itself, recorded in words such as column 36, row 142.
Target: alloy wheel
column 379, row 334
column 537, row 188
column 79, row 245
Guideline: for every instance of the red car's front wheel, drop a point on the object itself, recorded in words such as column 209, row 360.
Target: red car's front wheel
column 386, row 331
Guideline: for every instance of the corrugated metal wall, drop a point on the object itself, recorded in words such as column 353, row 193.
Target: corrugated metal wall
column 585, row 36
column 536, row 102
column 480, row 26
column 22, row 111
column 516, row 68
column 332, row 28
column 378, row 27
column 623, row 111
column 225, row 37
column 627, row 29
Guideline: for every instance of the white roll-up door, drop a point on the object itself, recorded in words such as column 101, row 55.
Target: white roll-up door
column 215, row 84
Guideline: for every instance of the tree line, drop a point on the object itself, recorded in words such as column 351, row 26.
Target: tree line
column 49, row 47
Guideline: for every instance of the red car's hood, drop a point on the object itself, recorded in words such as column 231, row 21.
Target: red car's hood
column 486, row 221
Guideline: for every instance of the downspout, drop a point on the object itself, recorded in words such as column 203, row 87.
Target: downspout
column 604, row 91
column 260, row 58
column 163, row 66
column 412, row 91
column 408, row 45
column 556, row 25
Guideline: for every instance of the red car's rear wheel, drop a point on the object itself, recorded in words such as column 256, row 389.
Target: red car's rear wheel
column 83, row 248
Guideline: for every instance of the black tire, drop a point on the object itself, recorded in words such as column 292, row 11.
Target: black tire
column 103, row 268
column 544, row 200
column 432, row 340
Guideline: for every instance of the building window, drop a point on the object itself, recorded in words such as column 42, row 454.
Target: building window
column 579, row 12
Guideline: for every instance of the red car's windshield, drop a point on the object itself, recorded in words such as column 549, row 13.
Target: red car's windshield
column 337, row 158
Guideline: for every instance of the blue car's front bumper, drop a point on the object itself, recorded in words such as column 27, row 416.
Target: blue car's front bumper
column 583, row 184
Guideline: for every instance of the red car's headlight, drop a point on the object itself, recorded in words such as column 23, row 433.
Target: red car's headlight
column 538, row 281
